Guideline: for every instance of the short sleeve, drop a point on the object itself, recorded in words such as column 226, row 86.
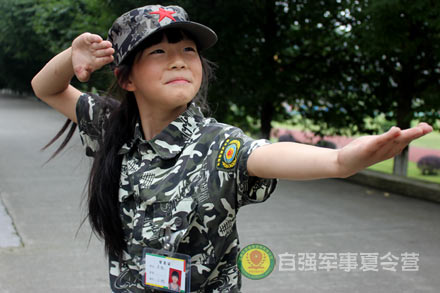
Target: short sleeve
column 92, row 113
column 250, row 189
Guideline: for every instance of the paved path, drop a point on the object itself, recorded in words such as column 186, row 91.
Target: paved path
column 8, row 235
column 323, row 216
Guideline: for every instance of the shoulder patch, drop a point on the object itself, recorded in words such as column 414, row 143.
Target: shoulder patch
column 228, row 154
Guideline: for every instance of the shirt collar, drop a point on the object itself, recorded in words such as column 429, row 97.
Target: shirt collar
column 171, row 140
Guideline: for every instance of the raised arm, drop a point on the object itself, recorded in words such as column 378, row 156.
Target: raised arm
column 52, row 84
column 288, row 160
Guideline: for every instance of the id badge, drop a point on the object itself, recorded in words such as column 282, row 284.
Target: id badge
column 167, row 271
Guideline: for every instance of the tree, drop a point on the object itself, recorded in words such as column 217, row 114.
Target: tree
column 391, row 67
column 338, row 62
column 400, row 44
column 320, row 60
column 34, row 31
column 268, row 51
column 21, row 53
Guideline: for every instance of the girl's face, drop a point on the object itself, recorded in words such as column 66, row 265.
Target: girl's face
column 167, row 75
column 175, row 279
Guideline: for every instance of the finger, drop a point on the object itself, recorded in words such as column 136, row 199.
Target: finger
column 93, row 38
column 104, row 52
column 81, row 73
column 426, row 127
column 101, row 45
column 83, row 76
column 410, row 134
column 387, row 136
column 107, row 43
column 104, row 61
column 383, row 145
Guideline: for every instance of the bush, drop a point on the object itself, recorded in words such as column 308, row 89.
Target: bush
column 286, row 137
column 429, row 165
column 326, row 144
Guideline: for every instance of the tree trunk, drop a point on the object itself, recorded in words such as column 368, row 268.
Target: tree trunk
column 267, row 112
column 403, row 117
column 400, row 166
column 269, row 28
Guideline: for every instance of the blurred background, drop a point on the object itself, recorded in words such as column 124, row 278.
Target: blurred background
column 308, row 69
column 315, row 72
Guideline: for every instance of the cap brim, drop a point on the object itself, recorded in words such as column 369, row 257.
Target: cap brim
column 205, row 36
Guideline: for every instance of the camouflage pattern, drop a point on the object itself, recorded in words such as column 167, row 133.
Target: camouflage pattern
column 134, row 26
column 174, row 183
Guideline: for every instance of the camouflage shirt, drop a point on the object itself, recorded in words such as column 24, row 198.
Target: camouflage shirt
column 192, row 178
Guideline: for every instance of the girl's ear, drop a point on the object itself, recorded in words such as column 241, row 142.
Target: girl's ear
column 126, row 85
column 129, row 85
column 116, row 72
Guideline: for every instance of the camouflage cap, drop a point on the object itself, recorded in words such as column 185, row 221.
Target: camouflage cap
column 134, row 26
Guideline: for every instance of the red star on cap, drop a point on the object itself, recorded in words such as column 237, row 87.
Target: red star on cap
column 164, row 13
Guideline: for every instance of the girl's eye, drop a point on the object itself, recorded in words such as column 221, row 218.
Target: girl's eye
column 158, row 51
column 190, row 49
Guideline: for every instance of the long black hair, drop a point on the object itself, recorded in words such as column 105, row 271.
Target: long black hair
column 103, row 184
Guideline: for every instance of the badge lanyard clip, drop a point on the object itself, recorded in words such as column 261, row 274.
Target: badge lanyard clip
column 166, row 242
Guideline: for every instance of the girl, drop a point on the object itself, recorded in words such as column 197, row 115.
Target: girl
column 174, row 285
column 164, row 177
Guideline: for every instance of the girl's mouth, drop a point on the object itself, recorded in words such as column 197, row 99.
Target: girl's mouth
column 178, row 81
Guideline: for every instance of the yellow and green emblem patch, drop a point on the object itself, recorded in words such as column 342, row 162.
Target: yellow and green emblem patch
column 256, row 261
column 227, row 156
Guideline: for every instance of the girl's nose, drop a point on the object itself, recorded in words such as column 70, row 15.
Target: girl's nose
column 177, row 62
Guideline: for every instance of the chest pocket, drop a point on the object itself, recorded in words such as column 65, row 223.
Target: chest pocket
column 175, row 216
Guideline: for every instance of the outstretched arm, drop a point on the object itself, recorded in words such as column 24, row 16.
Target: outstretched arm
column 289, row 160
column 52, row 84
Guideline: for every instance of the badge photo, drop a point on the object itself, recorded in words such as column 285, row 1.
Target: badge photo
column 167, row 271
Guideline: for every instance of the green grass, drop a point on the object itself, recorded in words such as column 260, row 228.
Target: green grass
column 413, row 171
column 429, row 141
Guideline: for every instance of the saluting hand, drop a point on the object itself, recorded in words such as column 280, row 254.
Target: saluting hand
column 369, row 150
column 89, row 53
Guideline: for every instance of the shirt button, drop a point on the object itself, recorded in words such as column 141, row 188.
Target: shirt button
column 178, row 222
column 143, row 148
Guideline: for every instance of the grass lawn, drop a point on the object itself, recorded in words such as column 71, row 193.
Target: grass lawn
column 413, row 171
column 429, row 141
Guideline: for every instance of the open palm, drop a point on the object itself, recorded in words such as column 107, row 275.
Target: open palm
column 368, row 150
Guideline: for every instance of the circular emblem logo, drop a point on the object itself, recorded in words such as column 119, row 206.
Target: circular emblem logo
column 230, row 153
column 256, row 261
